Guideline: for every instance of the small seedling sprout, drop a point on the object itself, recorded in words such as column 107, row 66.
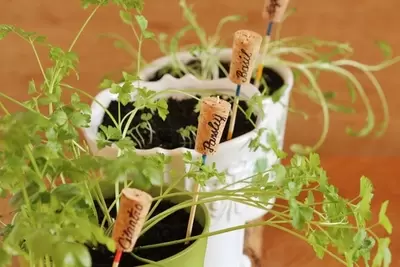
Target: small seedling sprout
column 188, row 133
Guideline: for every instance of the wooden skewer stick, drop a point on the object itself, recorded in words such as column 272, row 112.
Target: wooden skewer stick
column 273, row 11
column 196, row 190
column 134, row 207
column 260, row 68
column 214, row 113
column 246, row 46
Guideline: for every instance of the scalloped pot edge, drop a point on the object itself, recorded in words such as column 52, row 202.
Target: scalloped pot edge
column 272, row 110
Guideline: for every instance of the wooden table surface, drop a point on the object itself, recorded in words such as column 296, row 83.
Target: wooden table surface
column 346, row 159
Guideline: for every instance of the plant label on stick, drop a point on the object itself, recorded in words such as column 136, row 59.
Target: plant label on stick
column 134, row 207
column 274, row 10
column 245, row 49
column 214, row 113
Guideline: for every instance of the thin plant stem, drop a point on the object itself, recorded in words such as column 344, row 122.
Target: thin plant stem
column 102, row 203
column 39, row 62
column 146, row 261
column 160, row 198
column 240, row 227
column 4, row 108
column 83, row 27
column 21, row 104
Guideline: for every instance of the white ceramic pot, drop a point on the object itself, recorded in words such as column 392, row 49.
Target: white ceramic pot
column 234, row 157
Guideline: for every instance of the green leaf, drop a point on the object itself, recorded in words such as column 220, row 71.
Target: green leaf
column 59, row 117
column 41, row 242
column 105, row 84
column 385, row 48
column 66, row 254
column 111, row 133
column 148, row 34
column 329, row 95
column 261, row 165
column 142, row 22
column 129, row 77
column 51, row 134
column 125, row 143
column 32, row 87
column 343, row 109
column 40, row 39
column 155, row 176
column 5, row 30
column 126, row 17
column 300, row 149
column 310, row 198
column 280, row 173
column 273, row 142
column 66, row 192
column 75, row 99
column 86, row 3
column 384, row 219
column 129, row 4
column 33, row 190
column 319, row 241
column 80, row 120
column 364, row 206
column 162, row 108
column 276, row 96
column 383, row 256
column 5, row 258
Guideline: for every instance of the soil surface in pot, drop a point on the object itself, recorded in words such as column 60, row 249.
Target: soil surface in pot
column 194, row 66
column 273, row 80
column 170, row 228
column 181, row 114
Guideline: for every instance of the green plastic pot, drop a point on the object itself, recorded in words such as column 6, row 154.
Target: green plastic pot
column 192, row 256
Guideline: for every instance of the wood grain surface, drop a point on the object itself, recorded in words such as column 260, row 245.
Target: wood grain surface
column 359, row 23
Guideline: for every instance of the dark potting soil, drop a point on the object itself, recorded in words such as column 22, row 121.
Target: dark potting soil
column 273, row 80
column 171, row 228
column 194, row 65
column 181, row 114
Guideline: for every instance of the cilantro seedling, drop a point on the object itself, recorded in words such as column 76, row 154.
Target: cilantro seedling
column 188, row 134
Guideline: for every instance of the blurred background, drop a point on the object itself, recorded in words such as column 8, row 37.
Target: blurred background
column 360, row 23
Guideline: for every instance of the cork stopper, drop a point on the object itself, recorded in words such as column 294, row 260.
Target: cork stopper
column 214, row 113
column 134, row 207
column 246, row 46
column 274, row 10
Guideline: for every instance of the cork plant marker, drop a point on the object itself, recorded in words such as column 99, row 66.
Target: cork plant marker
column 214, row 113
column 246, row 46
column 134, row 207
column 273, row 12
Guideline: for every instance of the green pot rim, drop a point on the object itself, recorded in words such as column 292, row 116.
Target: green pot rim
column 193, row 246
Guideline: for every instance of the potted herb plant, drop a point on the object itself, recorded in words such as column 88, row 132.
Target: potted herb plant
column 210, row 59
column 58, row 224
column 202, row 69
column 126, row 110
